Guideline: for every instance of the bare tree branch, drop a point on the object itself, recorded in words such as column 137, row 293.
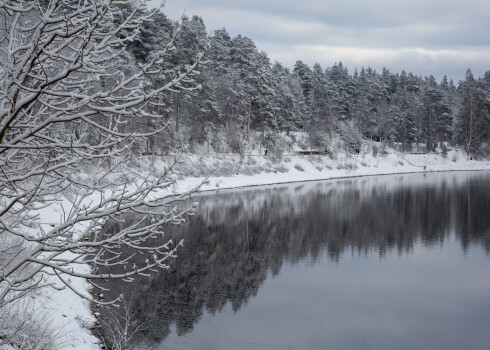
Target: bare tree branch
column 71, row 98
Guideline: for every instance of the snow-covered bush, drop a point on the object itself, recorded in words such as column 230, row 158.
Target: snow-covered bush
column 350, row 136
column 444, row 150
column 281, row 168
column 26, row 327
column 120, row 327
column 299, row 167
column 251, row 160
column 349, row 165
column 226, row 168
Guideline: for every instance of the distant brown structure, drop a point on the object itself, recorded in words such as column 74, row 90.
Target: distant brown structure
column 310, row 152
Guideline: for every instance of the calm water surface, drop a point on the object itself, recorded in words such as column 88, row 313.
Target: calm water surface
column 387, row 262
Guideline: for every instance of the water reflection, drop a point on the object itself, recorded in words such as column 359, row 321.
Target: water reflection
column 240, row 238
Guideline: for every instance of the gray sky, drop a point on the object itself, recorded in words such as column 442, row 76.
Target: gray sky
column 421, row 36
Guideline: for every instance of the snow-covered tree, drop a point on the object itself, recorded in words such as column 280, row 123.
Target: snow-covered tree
column 284, row 104
column 70, row 95
column 320, row 122
column 474, row 113
column 339, row 88
column 362, row 107
column 437, row 115
column 407, row 102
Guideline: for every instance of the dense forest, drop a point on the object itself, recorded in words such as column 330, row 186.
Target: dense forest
column 245, row 98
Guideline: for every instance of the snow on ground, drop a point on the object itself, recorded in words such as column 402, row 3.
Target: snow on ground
column 70, row 313
column 73, row 314
column 230, row 171
column 310, row 168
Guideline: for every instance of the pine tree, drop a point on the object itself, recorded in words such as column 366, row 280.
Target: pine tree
column 228, row 87
column 301, row 109
column 283, row 103
column 437, row 115
column 319, row 122
column 340, row 90
column 362, row 108
column 154, row 36
column 406, row 100
column 305, row 75
column 473, row 114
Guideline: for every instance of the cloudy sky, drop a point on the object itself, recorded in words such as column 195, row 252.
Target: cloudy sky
column 421, row 36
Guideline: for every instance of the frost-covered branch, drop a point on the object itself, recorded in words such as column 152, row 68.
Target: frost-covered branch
column 71, row 100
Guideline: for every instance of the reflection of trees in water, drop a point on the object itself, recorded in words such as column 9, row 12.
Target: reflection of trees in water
column 236, row 239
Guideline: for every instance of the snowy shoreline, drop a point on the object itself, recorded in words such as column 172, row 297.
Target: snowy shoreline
column 211, row 190
column 374, row 166
column 74, row 314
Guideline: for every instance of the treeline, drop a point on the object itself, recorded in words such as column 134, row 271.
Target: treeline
column 246, row 99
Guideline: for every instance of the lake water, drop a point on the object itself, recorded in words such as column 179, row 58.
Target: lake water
column 386, row 262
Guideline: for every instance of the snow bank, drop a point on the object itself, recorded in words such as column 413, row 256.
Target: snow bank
column 312, row 168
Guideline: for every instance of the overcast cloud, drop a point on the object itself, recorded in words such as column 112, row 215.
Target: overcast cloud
column 421, row 36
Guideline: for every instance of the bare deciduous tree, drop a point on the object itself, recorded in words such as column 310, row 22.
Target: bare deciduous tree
column 69, row 97
column 121, row 328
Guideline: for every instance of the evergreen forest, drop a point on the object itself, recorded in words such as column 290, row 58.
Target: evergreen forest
column 245, row 100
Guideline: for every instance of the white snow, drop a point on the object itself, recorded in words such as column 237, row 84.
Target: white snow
column 73, row 313
column 70, row 313
column 311, row 168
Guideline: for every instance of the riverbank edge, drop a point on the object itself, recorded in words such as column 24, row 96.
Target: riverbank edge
column 82, row 319
column 210, row 191
column 388, row 165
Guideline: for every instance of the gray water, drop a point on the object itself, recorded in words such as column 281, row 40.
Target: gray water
column 386, row 262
